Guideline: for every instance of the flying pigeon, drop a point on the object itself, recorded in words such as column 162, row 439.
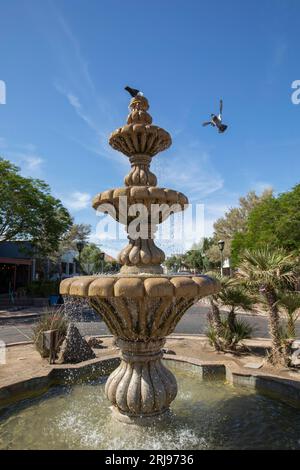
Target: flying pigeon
column 216, row 120
column 133, row 92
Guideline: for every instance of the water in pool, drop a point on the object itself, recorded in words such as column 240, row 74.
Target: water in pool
column 206, row 415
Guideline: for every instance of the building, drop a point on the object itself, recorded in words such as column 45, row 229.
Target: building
column 19, row 266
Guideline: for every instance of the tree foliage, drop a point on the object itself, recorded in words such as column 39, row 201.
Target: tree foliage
column 29, row 212
column 275, row 222
column 90, row 259
column 234, row 223
column 268, row 271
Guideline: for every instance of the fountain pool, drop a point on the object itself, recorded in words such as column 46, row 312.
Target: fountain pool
column 208, row 414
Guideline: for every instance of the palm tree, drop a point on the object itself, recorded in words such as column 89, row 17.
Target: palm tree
column 234, row 295
column 290, row 303
column 226, row 333
column 266, row 271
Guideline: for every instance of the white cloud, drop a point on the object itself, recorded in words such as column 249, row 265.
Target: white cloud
column 77, row 201
column 260, row 186
column 74, row 101
column 32, row 163
column 23, row 155
column 191, row 172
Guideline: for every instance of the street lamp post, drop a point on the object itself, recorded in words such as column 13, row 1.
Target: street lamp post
column 102, row 256
column 221, row 244
column 80, row 246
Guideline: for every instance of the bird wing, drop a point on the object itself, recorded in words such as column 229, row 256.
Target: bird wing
column 221, row 107
column 207, row 123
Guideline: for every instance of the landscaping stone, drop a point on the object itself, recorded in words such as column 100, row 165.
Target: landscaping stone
column 254, row 365
column 74, row 349
column 295, row 358
column 94, row 342
column 168, row 351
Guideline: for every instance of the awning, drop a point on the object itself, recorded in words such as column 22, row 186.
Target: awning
column 16, row 261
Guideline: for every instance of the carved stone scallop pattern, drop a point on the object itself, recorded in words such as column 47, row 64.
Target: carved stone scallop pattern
column 139, row 136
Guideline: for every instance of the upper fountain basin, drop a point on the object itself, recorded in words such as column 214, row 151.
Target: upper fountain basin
column 112, row 202
column 140, row 139
column 141, row 285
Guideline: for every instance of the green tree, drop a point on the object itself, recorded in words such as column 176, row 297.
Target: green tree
column 90, row 259
column 267, row 271
column 174, row 262
column 194, row 259
column 234, row 223
column 29, row 212
column 276, row 222
column 77, row 232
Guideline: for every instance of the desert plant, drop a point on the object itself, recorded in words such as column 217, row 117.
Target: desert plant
column 233, row 295
column 229, row 336
column 51, row 320
column 289, row 302
column 267, row 271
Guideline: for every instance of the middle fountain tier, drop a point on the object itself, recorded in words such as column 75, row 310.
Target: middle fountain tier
column 140, row 306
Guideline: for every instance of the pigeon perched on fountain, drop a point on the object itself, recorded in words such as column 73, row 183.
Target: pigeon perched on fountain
column 133, row 92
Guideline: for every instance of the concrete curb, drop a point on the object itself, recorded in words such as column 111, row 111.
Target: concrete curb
column 283, row 389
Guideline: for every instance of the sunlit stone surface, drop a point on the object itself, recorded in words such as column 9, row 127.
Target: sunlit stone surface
column 140, row 306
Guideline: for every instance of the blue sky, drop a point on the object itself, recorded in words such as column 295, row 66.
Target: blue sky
column 65, row 63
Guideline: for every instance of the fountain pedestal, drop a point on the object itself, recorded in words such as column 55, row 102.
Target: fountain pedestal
column 141, row 387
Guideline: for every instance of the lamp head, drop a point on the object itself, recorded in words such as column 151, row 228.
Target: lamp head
column 221, row 244
column 80, row 245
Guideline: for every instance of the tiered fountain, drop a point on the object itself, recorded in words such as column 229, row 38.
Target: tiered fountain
column 140, row 305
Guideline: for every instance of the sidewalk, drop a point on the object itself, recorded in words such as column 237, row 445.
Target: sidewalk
column 19, row 313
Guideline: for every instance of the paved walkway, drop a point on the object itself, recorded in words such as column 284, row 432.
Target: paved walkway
column 16, row 330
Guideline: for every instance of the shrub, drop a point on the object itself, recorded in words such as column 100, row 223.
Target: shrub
column 229, row 336
column 43, row 288
column 51, row 320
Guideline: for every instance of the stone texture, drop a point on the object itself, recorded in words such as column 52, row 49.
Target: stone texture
column 141, row 385
column 94, row 342
column 140, row 310
column 74, row 348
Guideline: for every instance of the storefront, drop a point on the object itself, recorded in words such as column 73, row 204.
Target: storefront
column 16, row 267
column 14, row 274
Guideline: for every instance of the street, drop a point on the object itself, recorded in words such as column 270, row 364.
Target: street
column 193, row 322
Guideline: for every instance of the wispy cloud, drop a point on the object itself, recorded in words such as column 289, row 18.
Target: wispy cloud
column 279, row 53
column 261, row 186
column 77, row 201
column 192, row 172
column 25, row 156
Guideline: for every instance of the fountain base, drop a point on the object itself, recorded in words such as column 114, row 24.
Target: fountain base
column 142, row 420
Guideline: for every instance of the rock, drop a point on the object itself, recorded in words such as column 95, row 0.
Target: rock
column 94, row 342
column 253, row 365
column 296, row 344
column 295, row 358
column 168, row 351
column 74, row 348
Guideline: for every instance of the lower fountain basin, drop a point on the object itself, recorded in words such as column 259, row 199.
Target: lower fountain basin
column 207, row 414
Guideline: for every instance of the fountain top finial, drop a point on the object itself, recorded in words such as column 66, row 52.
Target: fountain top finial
column 139, row 106
column 139, row 136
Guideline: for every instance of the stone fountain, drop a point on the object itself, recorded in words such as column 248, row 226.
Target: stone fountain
column 140, row 305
